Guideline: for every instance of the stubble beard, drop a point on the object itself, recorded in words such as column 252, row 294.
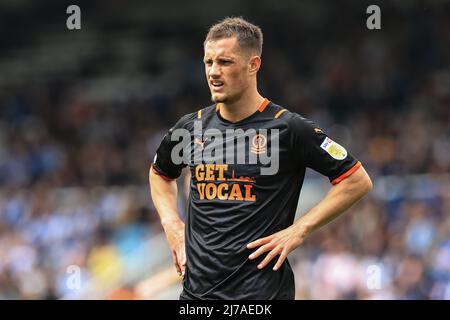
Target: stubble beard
column 219, row 99
column 227, row 98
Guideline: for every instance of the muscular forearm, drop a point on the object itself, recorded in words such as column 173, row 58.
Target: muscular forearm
column 340, row 198
column 164, row 197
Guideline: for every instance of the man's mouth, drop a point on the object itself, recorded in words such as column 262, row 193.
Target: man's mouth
column 216, row 84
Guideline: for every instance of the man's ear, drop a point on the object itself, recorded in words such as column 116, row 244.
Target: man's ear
column 254, row 64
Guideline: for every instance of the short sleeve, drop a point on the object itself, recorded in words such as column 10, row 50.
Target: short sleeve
column 312, row 148
column 163, row 164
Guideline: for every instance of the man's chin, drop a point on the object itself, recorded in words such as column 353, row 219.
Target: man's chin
column 218, row 99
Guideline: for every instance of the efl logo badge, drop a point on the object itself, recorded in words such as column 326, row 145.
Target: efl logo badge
column 334, row 149
column 259, row 143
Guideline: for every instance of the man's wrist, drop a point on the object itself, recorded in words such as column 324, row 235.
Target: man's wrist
column 170, row 222
column 304, row 227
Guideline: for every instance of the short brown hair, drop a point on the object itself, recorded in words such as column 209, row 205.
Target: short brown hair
column 249, row 36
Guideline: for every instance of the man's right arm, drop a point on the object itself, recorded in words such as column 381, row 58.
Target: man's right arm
column 164, row 196
column 163, row 188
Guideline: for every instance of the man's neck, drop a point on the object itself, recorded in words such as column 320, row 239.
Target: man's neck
column 242, row 108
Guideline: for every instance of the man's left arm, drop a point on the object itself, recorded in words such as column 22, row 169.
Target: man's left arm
column 340, row 198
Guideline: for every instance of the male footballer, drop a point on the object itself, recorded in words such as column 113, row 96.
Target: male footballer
column 240, row 225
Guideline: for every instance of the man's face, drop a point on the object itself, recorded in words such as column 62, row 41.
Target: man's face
column 227, row 70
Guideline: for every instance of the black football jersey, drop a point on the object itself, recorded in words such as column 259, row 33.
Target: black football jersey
column 233, row 203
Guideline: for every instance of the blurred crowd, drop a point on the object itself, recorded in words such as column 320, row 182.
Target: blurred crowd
column 380, row 251
column 75, row 149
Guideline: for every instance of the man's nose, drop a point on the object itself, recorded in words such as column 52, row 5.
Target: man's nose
column 214, row 71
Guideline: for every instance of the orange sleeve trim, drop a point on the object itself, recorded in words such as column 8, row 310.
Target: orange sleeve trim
column 161, row 175
column 348, row 173
column 263, row 105
column 279, row 113
column 199, row 114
